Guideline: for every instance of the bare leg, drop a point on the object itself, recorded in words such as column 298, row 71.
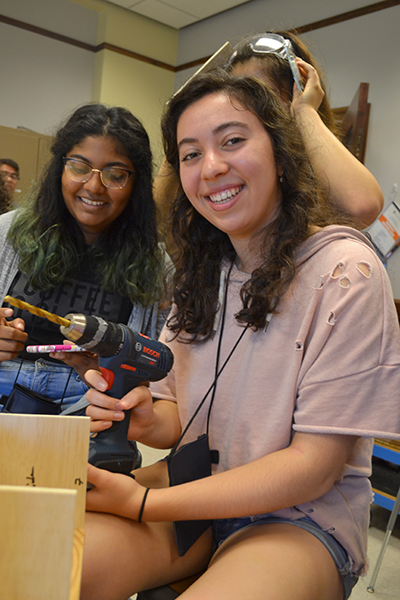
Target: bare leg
column 122, row 557
column 269, row 562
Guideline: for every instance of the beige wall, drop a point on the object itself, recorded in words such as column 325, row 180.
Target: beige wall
column 141, row 87
column 137, row 33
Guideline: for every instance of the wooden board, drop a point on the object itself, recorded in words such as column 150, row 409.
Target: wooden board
column 36, row 543
column 45, row 457
column 46, row 451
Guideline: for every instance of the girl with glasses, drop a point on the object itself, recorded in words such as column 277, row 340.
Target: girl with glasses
column 278, row 385
column 86, row 242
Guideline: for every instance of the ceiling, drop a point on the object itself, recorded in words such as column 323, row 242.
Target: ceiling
column 178, row 13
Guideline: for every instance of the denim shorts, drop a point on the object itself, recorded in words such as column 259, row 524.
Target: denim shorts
column 55, row 381
column 224, row 528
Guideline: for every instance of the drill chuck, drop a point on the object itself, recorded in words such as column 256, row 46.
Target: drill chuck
column 94, row 334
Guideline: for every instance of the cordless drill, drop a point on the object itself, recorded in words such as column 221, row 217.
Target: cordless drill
column 126, row 359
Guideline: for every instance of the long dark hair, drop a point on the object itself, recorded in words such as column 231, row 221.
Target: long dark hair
column 49, row 241
column 201, row 246
column 278, row 70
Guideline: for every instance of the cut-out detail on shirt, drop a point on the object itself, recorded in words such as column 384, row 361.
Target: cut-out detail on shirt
column 330, row 530
column 344, row 282
column 365, row 268
column 321, row 283
column 332, row 318
column 298, row 345
column 338, row 270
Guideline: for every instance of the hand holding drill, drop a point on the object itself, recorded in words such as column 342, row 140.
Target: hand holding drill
column 126, row 360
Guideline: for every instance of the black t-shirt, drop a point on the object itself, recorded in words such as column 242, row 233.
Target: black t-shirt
column 80, row 295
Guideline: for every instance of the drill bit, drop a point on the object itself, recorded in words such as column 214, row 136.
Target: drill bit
column 37, row 311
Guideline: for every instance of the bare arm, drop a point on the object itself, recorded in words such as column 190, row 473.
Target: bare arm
column 351, row 186
column 304, row 471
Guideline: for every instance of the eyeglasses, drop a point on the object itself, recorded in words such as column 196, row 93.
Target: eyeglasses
column 80, row 171
column 13, row 176
column 272, row 43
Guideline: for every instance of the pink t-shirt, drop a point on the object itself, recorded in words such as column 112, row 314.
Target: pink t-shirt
column 329, row 362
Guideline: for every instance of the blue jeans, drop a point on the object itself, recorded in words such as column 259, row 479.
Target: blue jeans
column 47, row 378
column 223, row 528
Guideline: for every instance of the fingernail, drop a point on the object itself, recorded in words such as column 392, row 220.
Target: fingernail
column 122, row 405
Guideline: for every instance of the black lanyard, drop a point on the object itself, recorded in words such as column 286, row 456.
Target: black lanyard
column 213, row 386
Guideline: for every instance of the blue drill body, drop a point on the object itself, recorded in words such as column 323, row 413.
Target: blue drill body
column 126, row 359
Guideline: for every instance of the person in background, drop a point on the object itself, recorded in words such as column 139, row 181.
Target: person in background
column 9, row 171
column 4, row 202
column 85, row 242
column 278, row 386
column 349, row 184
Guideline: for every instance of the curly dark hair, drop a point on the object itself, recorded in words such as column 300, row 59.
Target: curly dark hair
column 201, row 246
column 278, row 70
column 50, row 242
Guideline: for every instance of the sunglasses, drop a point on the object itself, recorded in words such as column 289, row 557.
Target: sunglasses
column 272, row 43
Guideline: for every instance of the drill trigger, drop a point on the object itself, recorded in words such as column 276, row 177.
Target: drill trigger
column 108, row 376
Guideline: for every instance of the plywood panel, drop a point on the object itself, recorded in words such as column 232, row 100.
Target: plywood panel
column 45, row 457
column 36, row 543
column 46, row 451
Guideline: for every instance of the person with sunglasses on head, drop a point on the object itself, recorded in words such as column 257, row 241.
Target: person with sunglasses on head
column 278, row 386
column 283, row 62
column 84, row 242
column 273, row 57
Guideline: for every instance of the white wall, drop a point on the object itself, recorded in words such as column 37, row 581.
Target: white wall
column 365, row 49
column 43, row 79
column 43, row 94
column 203, row 38
column 72, row 18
